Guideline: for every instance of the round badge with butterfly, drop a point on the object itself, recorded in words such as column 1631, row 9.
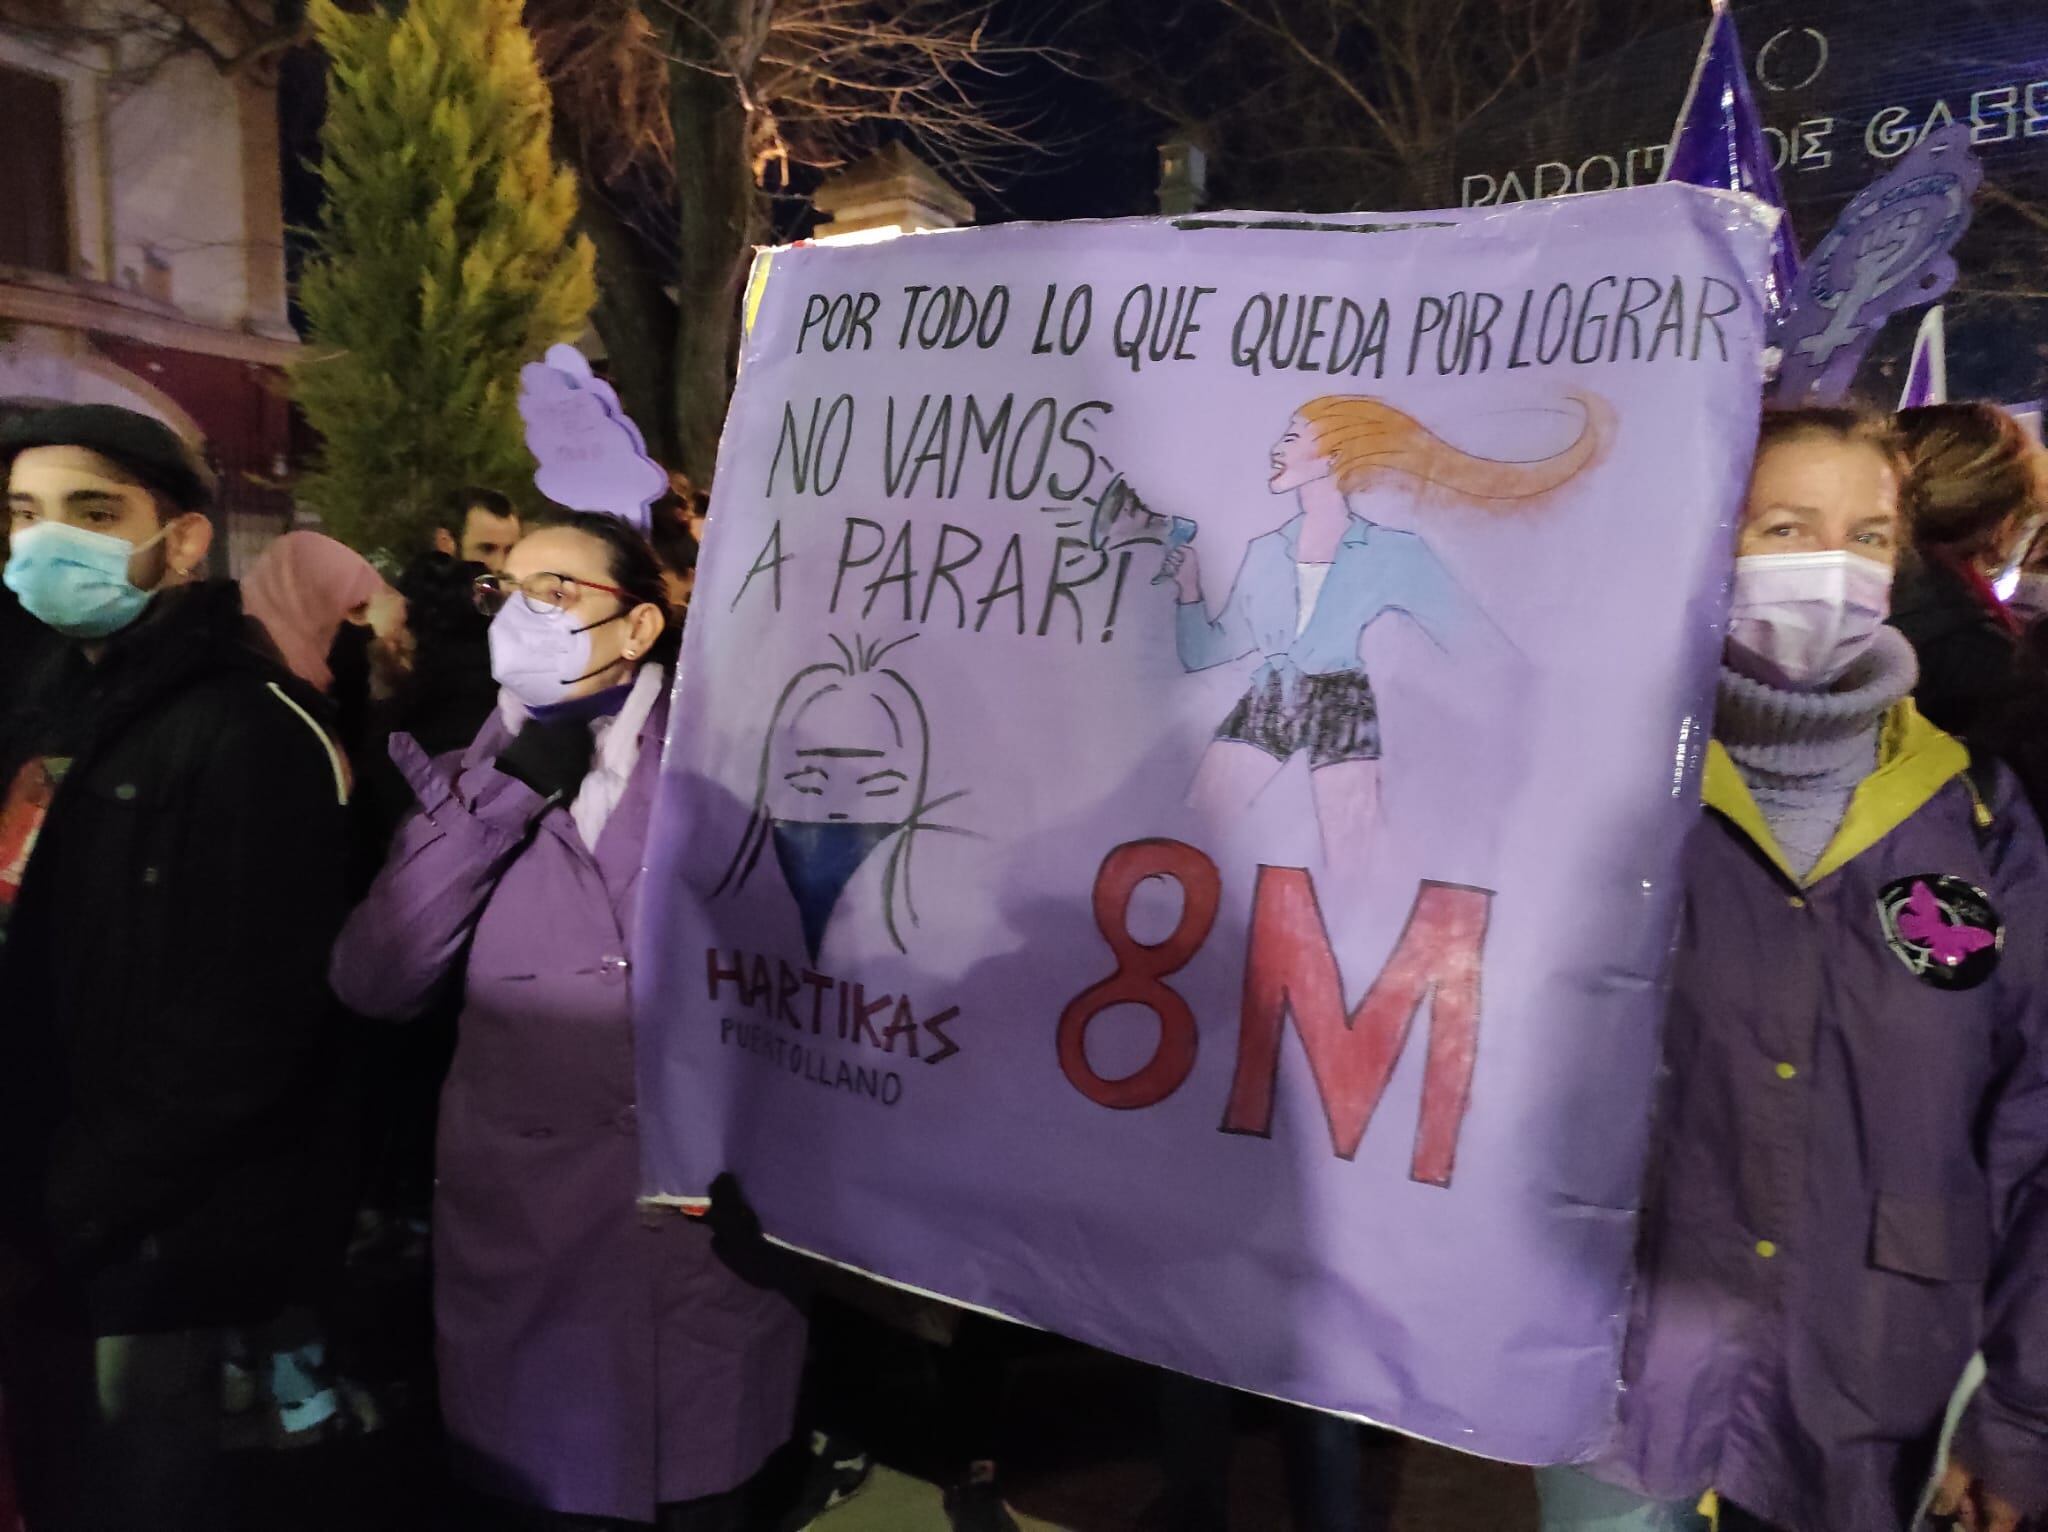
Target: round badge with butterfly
column 1944, row 930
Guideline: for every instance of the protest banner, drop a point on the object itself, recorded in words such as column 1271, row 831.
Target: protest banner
column 1180, row 761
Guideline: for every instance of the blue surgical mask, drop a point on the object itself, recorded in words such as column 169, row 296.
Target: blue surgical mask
column 76, row 581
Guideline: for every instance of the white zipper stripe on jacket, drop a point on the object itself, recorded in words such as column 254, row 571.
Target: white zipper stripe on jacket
column 334, row 760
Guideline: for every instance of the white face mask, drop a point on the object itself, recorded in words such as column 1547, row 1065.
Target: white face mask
column 1800, row 620
column 538, row 654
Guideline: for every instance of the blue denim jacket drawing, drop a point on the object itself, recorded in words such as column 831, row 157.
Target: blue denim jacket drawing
column 1376, row 571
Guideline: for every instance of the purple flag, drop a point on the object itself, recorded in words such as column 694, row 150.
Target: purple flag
column 1927, row 376
column 1254, row 970
column 1719, row 141
column 1888, row 251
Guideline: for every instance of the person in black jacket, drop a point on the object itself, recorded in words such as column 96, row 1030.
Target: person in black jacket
column 1974, row 482
column 2015, row 729
column 450, row 692
column 442, row 704
column 171, row 863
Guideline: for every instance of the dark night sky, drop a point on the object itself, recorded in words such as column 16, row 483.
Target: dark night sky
column 1100, row 154
column 1104, row 163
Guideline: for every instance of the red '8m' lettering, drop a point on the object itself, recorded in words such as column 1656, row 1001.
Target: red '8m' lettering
column 1141, row 970
column 1292, row 971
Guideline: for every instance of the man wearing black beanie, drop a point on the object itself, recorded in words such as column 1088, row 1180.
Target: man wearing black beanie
column 171, row 865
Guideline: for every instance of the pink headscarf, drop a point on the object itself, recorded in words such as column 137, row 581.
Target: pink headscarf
column 301, row 589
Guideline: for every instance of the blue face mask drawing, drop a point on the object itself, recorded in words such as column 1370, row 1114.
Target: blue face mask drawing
column 842, row 783
column 817, row 862
column 76, row 581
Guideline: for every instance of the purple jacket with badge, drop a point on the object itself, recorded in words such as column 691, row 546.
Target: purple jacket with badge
column 591, row 1360
column 1850, row 1190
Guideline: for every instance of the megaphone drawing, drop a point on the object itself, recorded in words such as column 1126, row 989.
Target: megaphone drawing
column 1122, row 516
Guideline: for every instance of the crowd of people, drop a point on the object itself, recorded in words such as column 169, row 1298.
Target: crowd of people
column 246, row 825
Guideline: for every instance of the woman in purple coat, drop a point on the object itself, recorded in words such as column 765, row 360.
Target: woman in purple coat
column 1848, row 1195
column 595, row 1360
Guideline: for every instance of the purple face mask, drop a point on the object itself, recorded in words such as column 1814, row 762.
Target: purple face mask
column 1799, row 620
column 538, row 653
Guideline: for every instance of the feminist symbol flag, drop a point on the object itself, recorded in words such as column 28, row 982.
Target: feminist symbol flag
column 1888, row 251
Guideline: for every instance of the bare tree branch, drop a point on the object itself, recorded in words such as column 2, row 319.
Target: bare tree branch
column 1353, row 102
column 141, row 37
column 2030, row 212
column 821, row 81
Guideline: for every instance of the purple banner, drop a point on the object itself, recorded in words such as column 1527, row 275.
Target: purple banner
column 1180, row 761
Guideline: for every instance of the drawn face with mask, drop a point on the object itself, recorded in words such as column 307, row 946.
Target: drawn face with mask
column 843, row 771
column 89, row 544
column 1813, row 576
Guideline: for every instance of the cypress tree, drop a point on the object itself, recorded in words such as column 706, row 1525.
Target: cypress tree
column 446, row 260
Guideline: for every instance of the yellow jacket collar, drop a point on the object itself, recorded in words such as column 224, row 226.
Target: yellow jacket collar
column 1915, row 760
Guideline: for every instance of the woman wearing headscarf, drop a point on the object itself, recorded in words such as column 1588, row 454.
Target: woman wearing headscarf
column 335, row 623
column 305, row 589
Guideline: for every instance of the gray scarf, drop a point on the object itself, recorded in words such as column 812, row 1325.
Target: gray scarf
column 1803, row 754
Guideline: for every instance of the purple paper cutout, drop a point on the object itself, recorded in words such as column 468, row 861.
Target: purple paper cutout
column 1888, row 251
column 591, row 455
column 1927, row 376
column 1719, row 141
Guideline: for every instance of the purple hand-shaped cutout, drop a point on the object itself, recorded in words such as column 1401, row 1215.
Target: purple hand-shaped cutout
column 591, row 455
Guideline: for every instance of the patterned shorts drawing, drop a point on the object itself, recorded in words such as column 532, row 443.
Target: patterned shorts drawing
column 1333, row 717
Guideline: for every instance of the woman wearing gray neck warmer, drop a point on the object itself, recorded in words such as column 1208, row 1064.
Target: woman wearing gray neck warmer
column 1848, row 1192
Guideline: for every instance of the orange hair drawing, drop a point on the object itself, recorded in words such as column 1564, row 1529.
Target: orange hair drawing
column 1365, row 438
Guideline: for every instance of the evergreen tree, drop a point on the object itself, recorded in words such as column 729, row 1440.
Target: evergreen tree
column 445, row 262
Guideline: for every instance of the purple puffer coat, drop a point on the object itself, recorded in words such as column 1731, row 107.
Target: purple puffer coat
column 1850, row 1193
column 592, row 1360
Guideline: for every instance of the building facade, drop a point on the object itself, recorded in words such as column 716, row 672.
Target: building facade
column 142, row 252
column 1846, row 88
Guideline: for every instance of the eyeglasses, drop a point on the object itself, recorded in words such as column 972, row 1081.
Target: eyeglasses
column 543, row 592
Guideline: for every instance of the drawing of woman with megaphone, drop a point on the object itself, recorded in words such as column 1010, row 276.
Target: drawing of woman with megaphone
column 1306, row 592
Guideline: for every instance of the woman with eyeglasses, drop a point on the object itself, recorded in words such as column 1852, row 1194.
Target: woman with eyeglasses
column 595, row 1361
